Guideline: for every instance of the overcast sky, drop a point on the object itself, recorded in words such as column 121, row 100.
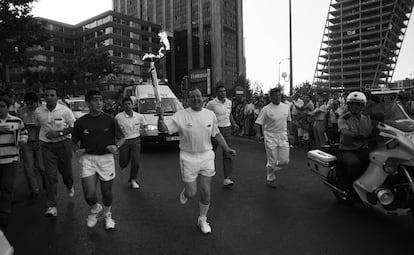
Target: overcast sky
column 266, row 32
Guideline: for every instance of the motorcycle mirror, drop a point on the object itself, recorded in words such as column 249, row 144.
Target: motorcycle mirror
column 377, row 116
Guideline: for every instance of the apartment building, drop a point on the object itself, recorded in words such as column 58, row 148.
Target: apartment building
column 361, row 43
column 126, row 39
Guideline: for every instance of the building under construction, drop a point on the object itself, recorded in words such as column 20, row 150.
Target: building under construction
column 361, row 43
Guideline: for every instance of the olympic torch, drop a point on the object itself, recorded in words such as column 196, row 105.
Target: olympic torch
column 152, row 58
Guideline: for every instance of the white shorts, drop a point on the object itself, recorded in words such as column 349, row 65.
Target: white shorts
column 193, row 164
column 103, row 165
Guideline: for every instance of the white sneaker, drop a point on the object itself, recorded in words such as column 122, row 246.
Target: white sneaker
column 227, row 182
column 109, row 222
column 204, row 225
column 93, row 217
column 271, row 175
column 134, row 184
column 51, row 212
column 71, row 192
column 183, row 198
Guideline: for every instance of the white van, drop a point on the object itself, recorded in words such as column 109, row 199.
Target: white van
column 144, row 102
column 77, row 105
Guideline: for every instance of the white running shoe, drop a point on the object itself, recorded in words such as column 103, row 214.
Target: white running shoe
column 109, row 222
column 71, row 192
column 183, row 198
column 134, row 184
column 93, row 217
column 51, row 212
column 227, row 182
column 271, row 175
column 204, row 225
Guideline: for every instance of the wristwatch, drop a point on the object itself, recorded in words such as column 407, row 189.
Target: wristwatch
column 61, row 133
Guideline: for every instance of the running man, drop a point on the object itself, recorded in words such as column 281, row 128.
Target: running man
column 273, row 118
column 56, row 123
column 221, row 106
column 31, row 152
column 196, row 125
column 130, row 123
column 93, row 138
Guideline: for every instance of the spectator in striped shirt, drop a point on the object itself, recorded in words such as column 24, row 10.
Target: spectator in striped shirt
column 12, row 134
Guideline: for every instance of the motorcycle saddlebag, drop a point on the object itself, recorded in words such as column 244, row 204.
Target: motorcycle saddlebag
column 321, row 162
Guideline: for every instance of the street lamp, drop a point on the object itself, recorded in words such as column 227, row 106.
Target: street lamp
column 279, row 67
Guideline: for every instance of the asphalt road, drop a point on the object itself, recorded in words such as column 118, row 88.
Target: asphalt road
column 301, row 216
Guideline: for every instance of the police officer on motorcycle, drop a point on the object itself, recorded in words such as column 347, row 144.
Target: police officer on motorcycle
column 354, row 128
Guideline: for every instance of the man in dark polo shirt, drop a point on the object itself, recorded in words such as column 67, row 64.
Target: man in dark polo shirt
column 96, row 137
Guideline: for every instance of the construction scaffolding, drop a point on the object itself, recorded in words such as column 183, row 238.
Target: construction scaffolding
column 361, row 43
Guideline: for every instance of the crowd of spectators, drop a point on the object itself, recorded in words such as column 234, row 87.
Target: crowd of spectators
column 314, row 116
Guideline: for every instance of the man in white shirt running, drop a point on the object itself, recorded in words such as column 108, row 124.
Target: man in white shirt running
column 56, row 124
column 221, row 106
column 196, row 125
column 274, row 119
column 130, row 123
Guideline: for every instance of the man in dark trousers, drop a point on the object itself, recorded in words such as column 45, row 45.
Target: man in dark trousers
column 221, row 106
column 130, row 123
column 31, row 152
column 56, row 123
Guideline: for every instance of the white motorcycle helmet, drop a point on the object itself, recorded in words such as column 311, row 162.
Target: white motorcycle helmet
column 356, row 97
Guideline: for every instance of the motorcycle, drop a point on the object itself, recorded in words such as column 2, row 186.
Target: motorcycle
column 388, row 183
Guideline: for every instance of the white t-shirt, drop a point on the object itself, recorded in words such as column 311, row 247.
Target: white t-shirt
column 222, row 111
column 273, row 118
column 195, row 128
column 130, row 125
column 56, row 120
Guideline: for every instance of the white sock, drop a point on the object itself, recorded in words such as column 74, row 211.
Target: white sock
column 94, row 208
column 204, row 210
column 107, row 209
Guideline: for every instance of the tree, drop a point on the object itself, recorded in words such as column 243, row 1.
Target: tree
column 37, row 76
column 311, row 90
column 91, row 63
column 18, row 31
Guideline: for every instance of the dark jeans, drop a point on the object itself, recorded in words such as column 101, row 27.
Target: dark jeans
column 354, row 162
column 33, row 165
column 333, row 133
column 227, row 160
column 7, row 177
column 130, row 152
column 57, row 157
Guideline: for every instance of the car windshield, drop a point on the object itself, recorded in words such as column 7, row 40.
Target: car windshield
column 169, row 105
column 77, row 105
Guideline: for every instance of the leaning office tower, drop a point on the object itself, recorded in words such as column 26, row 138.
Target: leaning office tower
column 361, row 43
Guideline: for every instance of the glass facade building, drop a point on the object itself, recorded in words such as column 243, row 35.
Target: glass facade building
column 207, row 34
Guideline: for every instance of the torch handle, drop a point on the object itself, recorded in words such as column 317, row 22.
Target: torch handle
column 155, row 84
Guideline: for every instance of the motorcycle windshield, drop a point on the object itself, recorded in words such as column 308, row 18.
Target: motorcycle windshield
column 394, row 116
